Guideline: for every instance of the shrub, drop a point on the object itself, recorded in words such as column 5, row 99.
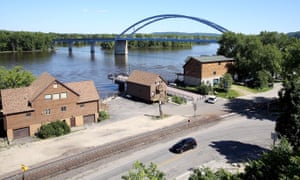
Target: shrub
column 103, row 115
column 178, row 100
column 204, row 89
column 53, row 129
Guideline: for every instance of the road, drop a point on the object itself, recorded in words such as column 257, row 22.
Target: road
column 233, row 140
column 129, row 119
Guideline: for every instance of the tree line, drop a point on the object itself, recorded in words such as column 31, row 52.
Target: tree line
column 259, row 59
column 25, row 41
column 20, row 41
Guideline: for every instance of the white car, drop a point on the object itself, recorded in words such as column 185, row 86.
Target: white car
column 211, row 99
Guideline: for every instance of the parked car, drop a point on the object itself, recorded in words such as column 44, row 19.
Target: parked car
column 184, row 145
column 211, row 99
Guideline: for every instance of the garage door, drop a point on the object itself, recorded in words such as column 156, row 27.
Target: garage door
column 88, row 119
column 21, row 133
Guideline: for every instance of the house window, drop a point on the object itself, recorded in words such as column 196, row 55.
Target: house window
column 214, row 72
column 219, row 63
column 63, row 108
column 81, row 105
column 55, row 96
column 63, row 95
column 55, row 85
column 28, row 114
column 48, row 97
column 47, row 111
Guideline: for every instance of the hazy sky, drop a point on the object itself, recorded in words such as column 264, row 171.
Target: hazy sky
column 111, row 16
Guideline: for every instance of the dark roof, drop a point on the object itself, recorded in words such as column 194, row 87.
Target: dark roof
column 208, row 59
column 142, row 77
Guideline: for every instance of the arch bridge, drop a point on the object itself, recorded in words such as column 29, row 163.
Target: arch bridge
column 122, row 39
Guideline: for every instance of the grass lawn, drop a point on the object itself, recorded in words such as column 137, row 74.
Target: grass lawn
column 228, row 95
column 251, row 90
column 234, row 91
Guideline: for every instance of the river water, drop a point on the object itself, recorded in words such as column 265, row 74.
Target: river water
column 80, row 65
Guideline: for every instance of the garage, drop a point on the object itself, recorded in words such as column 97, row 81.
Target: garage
column 21, row 133
column 88, row 119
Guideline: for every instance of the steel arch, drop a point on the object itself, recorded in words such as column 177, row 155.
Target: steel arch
column 156, row 18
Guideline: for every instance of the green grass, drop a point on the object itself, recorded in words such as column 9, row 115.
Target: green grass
column 228, row 95
column 252, row 90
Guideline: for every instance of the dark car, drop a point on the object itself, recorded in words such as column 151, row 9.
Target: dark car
column 184, row 145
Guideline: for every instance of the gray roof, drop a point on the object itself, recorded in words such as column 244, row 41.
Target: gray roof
column 206, row 59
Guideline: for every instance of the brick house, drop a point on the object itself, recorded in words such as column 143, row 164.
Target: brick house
column 206, row 69
column 25, row 109
column 149, row 87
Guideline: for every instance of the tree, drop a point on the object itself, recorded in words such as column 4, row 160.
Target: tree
column 228, row 44
column 208, row 174
column 141, row 172
column 288, row 123
column 291, row 65
column 15, row 77
column 226, row 81
column 280, row 163
column 262, row 79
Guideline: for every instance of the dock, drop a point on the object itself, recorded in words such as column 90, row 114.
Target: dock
column 118, row 77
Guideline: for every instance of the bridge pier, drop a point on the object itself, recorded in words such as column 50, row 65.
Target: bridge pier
column 70, row 44
column 93, row 47
column 121, row 47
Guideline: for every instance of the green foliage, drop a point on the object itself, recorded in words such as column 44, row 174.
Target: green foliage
column 280, row 163
column 291, row 66
column 204, row 89
column 288, row 123
column 15, row 77
column 25, row 41
column 53, row 129
column 262, row 79
column 255, row 53
column 230, row 94
column 208, row 174
column 141, row 172
column 178, row 100
column 226, row 82
column 103, row 115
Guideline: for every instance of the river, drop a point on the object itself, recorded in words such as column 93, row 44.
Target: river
column 80, row 65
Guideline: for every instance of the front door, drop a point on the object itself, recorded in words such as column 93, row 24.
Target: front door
column 73, row 122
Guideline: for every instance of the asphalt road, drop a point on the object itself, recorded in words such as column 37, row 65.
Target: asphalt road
column 239, row 138
column 234, row 140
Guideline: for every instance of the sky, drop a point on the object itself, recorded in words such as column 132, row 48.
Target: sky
column 113, row 17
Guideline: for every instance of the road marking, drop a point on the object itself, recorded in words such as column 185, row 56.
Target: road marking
column 173, row 158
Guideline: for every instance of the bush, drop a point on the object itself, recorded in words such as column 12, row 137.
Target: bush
column 178, row 100
column 204, row 89
column 103, row 115
column 53, row 129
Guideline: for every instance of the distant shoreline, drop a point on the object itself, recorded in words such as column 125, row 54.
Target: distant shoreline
column 7, row 52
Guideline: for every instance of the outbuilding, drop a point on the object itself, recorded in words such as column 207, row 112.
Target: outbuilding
column 146, row 86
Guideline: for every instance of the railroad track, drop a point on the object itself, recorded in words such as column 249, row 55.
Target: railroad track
column 56, row 167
